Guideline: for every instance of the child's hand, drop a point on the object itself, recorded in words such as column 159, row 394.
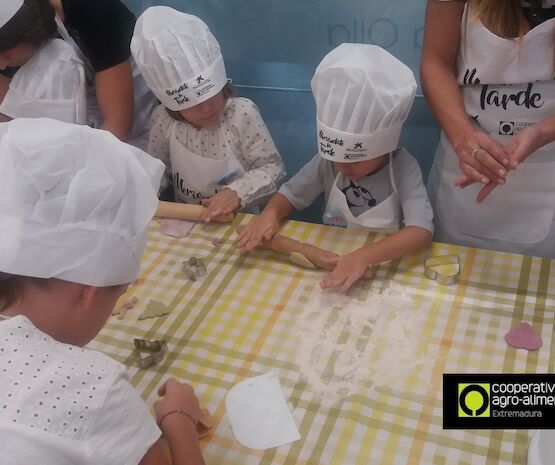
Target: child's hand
column 261, row 228
column 224, row 202
column 177, row 396
column 348, row 270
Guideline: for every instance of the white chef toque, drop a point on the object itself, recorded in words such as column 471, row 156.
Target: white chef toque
column 363, row 96
column 75, row 202
column 178, row 56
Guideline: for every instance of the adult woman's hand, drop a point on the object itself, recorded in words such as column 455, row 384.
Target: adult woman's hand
column 481, row 159
column 519, row 147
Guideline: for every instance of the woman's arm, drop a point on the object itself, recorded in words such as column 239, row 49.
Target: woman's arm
column 114, row 93
column 442, row 39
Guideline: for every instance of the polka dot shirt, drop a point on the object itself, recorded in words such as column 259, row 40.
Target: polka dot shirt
column 241, row 134
column 64, row 404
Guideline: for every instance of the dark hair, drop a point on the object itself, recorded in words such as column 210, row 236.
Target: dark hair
column 33, row 24
column 227, row 91
column 11, row 289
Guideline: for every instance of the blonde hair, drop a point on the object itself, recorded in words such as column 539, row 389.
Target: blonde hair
column 502, row 17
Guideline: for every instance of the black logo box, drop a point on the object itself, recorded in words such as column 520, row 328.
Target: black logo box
column 451, row 419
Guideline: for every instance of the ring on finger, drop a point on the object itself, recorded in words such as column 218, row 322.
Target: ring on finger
column 475, row 151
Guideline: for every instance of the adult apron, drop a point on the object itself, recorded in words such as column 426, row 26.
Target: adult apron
column 144, row 100
column 384, row 218
column 506, row 85
column 195, row 177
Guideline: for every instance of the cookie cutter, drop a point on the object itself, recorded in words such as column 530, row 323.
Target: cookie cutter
column 194, row 268
column 147, row 361
column 149, row 353
column 154, row 346
column 444, row 269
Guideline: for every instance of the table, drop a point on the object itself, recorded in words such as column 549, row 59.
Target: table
column 363, row 374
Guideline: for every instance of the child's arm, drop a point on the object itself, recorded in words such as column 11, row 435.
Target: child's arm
column 264, row 226
column 177, row 414
column 297, row 193
column 352, row 267
column 414, row 236
column 159, row 140
column 264, row 167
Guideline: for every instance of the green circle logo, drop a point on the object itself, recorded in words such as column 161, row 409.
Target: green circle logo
column 474, row 400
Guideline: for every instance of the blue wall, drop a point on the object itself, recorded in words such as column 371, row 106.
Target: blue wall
column 271, row 48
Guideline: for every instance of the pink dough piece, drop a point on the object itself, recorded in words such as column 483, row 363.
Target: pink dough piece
column 176, row 228
column 217, row 242
column 523, row 336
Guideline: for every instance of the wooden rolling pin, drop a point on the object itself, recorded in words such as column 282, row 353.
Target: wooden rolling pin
column 186, row 211
column 284, row 245
column 303, row 254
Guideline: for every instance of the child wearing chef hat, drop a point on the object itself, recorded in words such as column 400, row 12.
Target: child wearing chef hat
column 217, row 148
column 75, row 207
column 50, row 78
column 363, row 96
column 51, row 84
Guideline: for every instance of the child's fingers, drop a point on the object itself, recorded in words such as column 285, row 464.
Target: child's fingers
column 251, row 244
column 349, row 281
column 243, row 237
column 162, row 389
column 269, row 234
column 330, row 281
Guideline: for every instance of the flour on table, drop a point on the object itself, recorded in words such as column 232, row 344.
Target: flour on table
column 346, row 344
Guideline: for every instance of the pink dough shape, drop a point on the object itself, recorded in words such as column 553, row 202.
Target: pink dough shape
column 176, row 228
column 217, row 242
column 523, row 336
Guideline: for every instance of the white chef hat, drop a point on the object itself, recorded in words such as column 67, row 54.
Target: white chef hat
column 75, row 202
column 8, row 9
column 51, row 84
column 178, row 56
column 363, row 96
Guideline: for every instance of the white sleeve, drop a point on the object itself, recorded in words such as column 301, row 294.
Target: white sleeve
column 123, row 430
column 417, row 210
column 161, row 126
column 305, row 187
column 259, row 153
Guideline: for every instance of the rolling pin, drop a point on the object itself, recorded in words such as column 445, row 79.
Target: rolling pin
column 303, row 254
column 186, row 211
column 284, row 245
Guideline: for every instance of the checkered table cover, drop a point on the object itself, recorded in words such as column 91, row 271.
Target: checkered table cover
column 239, row 322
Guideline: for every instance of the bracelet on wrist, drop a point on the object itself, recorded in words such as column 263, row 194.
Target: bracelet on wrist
column 181, row 412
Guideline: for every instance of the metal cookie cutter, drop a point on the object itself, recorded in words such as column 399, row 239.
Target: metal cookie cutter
column 443, row 268
column 194, row 268
column 149, row 353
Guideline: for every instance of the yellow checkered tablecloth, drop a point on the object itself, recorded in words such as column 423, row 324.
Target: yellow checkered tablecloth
column 249, row 316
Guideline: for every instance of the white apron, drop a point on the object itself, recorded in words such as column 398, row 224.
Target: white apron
column 144, row 100
column 195, row 177
column 506, row 86
column 384, row 218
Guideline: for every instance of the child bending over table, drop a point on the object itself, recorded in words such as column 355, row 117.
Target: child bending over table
column 75, row 209
column 363, row 96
